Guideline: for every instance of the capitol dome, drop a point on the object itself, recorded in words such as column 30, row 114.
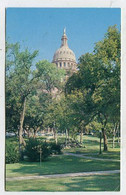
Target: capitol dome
column 64, row 57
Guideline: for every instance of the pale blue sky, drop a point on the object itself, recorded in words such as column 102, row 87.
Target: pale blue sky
column 41, row 28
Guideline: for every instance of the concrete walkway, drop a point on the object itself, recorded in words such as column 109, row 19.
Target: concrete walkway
column 83, row 174
column 89, row 157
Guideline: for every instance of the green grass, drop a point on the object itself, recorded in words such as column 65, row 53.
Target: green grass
column 91, row 148
column 89, row 183
column 59, row 164
column 68, row 164
column 111, row 154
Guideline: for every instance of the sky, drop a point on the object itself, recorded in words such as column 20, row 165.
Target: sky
column 42, row 28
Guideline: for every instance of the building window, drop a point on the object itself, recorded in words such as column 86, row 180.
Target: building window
column 68, row 64
column 60, row 64
column 64, row 64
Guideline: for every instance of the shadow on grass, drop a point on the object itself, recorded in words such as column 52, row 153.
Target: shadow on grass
column 91, row 183
column 110, row 155
column 60, row 164
column 114, row 155
column 95, row 183
column 91, row 142
column 91, row 148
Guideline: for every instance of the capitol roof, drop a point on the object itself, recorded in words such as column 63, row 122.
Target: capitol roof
column 64, row 52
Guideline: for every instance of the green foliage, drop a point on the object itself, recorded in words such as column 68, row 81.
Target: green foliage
column 55, row 148
column 12, row 153
column 59, row 115
column 45, row 150
column 33, row 147
column 49, row 76
column 108, row 51
column 92, row 94
column 26, row 87
column 32, row 150
column 35, row 111
column 20, row 82
column 95, row 96
column 25, row 83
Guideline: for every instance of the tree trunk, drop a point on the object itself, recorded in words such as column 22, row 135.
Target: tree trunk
column 56, row 138
column 113, row 140
column 81, row 136
column 21, row 140
column 118, row 134
column 105, row 140
column 55, row 135
column 28, row 133
column 35, row 131
column 48, row 130
column 66, row 137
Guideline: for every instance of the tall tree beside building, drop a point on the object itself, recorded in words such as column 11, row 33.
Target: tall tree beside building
column 98, row 78
column 22, row 82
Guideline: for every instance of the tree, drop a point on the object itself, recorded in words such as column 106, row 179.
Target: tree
column 82, row 106
column 98, row 79
column 22, row 81
column 35, row 112
column 80, row 89
column 51, row 117
column 108, row 52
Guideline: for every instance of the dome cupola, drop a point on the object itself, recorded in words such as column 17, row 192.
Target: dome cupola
column 64, row 57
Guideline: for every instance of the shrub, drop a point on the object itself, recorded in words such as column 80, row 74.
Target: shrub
column 12, row 153
column 55, row 148
column 45, row 150
column 32, row 150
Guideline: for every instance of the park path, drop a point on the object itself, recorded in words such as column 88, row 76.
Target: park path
column 63, row 175
column 89, row 157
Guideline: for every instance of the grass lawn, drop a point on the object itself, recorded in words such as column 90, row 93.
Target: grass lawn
column 68, row 164
column 91, row 148
column 89, row 183
column 59, row 164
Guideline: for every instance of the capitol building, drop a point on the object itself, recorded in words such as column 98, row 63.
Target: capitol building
column 64, row 57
